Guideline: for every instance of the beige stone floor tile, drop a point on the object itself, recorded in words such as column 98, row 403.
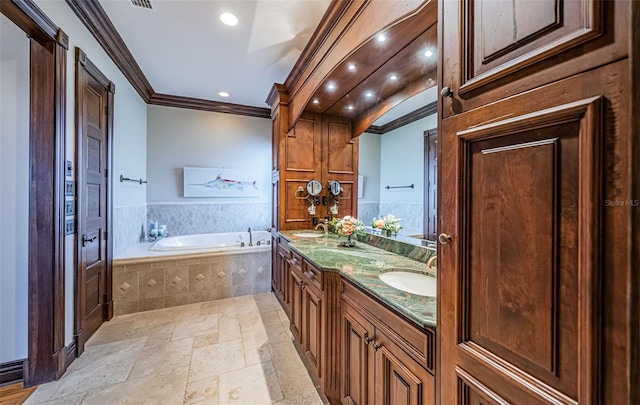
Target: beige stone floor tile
column 308, row 397
column 228, row 329
column 70, row 400
column 197, row 327
column 256, row 355
column 43, row 393
column 292, row 385
column 166, row 388
column 203, row 391
column 162, row 357
column 155, row 334
column 206, row 340
column 210, row 308
column 216, row 359
column 251, row 385
column 100, row 366
column 110, row 332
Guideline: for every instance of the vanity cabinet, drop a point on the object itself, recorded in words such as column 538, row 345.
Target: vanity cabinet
column 386, row 359
column 280, row 274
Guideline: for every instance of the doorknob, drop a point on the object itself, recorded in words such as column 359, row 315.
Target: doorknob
column 446, row 92
column 443, row 238
column 86, row 240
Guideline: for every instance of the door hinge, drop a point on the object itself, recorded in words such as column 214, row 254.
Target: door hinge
column 106, row 235
column 106, row 173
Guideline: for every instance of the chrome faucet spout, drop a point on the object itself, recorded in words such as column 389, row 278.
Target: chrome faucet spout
column 250, row 237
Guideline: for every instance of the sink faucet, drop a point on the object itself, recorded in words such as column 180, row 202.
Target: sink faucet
column 432, row 260
column 324, row 225
column 250, row 237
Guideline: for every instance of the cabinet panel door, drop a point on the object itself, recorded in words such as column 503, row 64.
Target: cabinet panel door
column 492, row 49
column 356, row 335
column 399, row 380
column 522, row 266
column 312, row 327
column 296, row 304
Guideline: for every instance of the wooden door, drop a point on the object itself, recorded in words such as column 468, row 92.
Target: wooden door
column 93, row 127
column 295, row 315
column 398, row 379
column 312, row 326
column 340, row 162
column 357, row 335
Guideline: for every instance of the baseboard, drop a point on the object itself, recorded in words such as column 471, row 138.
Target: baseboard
column 65, row 357
column 11, row 372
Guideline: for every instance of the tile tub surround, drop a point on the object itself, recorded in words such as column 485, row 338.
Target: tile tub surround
column 195, row 218
column 143, row 284
column 231, row 351
column 362, row 264
column 129, row 227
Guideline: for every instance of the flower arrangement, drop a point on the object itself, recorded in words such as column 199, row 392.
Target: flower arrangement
column 349, row 227
column 388, row 224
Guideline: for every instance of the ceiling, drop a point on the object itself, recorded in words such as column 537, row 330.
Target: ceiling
column 184, row 50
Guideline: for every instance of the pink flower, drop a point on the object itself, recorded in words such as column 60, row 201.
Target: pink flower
column 380, row 224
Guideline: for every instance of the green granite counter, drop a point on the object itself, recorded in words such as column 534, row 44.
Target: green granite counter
column 361, row 265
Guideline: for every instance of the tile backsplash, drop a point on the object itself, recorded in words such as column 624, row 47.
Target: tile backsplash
column 129, row 226
column 410, row 215
column 194, row 218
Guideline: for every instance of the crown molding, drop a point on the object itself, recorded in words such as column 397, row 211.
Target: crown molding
column 406, row 119
column 96, row 20
column 208, row 105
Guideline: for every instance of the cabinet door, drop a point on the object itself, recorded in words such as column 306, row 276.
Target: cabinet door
column 520, row 321
column 492, row 49
column 357, row 335
column 399, row 380
column 296, row 304
column 312, row 326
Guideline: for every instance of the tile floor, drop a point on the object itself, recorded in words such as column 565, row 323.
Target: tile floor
column 231, row 351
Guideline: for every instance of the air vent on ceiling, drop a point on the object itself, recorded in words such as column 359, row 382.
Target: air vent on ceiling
column 142, row 3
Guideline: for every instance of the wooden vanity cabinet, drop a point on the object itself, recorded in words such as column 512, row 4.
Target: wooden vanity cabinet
column 385, row 360
column 280, row 274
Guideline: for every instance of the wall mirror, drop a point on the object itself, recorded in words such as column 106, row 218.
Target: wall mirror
column 397, row 166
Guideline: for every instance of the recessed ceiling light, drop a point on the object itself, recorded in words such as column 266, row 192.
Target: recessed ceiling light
column 381, row 38
column 229, row 19
column 223, row 94
column 316, row 101
column 368, row 94
column 349, row 107
column 428, row 53
column 393, row 77
column 331, row 86
column 351, row 67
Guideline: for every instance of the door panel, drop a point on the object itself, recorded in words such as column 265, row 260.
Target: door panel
column 312, row 327
column 341, row 154
column 527, row 331
column 93, row 98
column 356, row 357
column 296, row 305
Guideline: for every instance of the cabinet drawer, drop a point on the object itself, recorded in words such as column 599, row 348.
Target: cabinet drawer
column 295, row 260
column 312, row 274
column 417, row 342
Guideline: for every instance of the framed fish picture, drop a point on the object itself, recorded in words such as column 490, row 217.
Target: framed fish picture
column 216, row 182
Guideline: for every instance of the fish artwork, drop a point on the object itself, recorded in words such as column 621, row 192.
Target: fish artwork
column 227, row 184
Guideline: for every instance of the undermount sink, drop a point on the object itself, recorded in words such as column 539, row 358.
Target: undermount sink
column 413, row 283
column 309, row 234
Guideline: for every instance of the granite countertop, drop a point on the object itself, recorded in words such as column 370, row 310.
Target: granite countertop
column 361, row 265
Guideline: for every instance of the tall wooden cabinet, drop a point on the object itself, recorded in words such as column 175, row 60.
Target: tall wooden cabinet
column 535, row 139
column 317, row 147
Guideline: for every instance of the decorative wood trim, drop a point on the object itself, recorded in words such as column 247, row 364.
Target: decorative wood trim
column 467, row 381
column 328, row 22
column 364, row 121
column 208, row 105
column 30, row 18
column 406, row 119
column 93, row 16
column 11, row 372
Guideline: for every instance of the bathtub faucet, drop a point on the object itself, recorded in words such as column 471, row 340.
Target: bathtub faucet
column 250, row 237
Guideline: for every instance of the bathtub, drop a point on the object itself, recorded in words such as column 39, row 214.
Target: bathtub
column 190, row 269
column 212, row 241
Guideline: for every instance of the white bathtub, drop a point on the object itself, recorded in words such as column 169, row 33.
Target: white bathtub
column 230, row 241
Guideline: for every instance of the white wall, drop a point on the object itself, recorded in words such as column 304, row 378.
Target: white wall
column 14, row 198
column 129, row 132
column 402, row 162
column 180, row 137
